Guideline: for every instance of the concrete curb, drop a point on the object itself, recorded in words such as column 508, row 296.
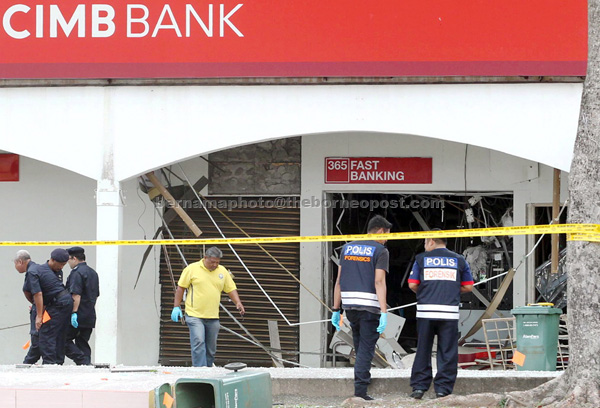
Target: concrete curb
column 324, row 390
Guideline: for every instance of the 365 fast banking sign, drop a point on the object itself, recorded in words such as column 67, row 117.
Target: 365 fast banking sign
column 291, row 38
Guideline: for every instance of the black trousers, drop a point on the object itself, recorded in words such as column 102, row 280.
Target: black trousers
column 53, row 333
column 33, row 354
column 447, row 355
column 78, row 347
column 364, row 334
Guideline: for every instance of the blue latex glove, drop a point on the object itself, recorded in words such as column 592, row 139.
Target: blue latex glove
column 335, row 320
column 176, row 314
column 74, row 321
column 382, row 323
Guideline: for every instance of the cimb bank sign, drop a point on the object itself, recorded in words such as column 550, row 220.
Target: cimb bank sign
column 21, row 21
column 291, row 38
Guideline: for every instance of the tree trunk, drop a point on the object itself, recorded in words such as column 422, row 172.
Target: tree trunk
column 583, row 258
column 580, row 385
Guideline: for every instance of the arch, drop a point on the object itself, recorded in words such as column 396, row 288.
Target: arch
column 121, row 132
column 58, row 126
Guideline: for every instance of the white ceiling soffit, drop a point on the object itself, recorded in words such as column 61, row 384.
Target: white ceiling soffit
column 144, row 128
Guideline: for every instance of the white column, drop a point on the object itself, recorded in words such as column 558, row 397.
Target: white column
column 109, row 219
column 312, row 276
column 312, row 270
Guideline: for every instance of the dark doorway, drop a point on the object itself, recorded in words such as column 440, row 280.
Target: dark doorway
column 350, row 213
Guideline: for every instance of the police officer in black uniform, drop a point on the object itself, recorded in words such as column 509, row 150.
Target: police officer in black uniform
column 53, row 306
column 438, row 278
column 84, row 287
column 361, row 289
column 23, row 264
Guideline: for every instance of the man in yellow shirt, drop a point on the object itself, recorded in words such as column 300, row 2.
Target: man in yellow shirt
column 204, row 280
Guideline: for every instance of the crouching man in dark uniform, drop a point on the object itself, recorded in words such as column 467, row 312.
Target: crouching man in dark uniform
column 84, row 287
column 54, row 302
column 438, row 278
column 361, row 289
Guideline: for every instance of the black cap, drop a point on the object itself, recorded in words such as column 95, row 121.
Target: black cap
column 60, row 255
column 75, row 251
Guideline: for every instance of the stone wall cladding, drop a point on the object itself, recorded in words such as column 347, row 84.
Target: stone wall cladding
column 269, row 168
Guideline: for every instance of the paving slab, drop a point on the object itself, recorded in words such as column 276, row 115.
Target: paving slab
column 133, row 387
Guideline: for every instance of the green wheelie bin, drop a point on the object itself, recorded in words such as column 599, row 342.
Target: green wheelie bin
column 537, row 336
column 238, row 389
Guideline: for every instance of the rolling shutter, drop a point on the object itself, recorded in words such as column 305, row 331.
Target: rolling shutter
column 281, row 287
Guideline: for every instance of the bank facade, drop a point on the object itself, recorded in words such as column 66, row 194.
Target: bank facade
column 307, row 132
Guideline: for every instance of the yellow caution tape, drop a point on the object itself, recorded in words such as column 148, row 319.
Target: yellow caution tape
column 591, row 237
column 576, row 232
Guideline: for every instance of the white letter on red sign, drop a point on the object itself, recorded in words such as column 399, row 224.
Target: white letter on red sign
column 57, row 18
column 161, row 26
column 17, row 8
column 142, row 20
column 106, row 20
column 225, row 19
column 189, row 10
column 39, row 21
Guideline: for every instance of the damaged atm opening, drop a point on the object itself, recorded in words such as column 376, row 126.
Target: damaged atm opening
column 550, row 286
column 487, row 256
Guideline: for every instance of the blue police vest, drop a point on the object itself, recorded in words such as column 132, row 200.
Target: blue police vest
column 440, row 274
column 357, row 283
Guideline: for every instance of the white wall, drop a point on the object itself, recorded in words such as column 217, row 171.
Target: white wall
column 50, row 203
column 139, row 308
column 487, row 170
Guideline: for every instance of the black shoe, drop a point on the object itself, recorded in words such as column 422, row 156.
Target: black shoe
column 417, row 394
column 440, row 395
column 365, row 397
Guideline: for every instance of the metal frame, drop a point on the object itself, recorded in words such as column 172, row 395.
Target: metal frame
column 504, row 342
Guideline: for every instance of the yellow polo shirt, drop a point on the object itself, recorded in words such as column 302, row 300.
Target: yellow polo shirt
column 204, row 289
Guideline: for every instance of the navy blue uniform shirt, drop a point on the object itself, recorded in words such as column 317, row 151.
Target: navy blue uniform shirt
column 83, row 281
column 45, row 280
column 30, row 266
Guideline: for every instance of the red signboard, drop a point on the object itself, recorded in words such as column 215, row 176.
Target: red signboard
column 378, row 170
column 284, row 38
column 9, row 167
